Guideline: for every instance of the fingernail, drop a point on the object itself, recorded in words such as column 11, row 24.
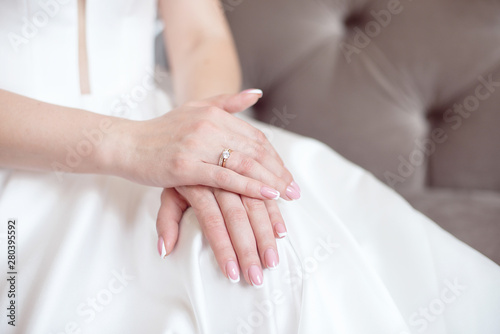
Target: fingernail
column 270, row 193
column 232, row 272
column 295, row 185
column 280, row 230
column 161, row 248
column 253, row 91
column 271, row 259
column 255, row 274
column 292, row 193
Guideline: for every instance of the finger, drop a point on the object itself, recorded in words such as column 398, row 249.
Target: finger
column 234, row 103
column 249, row 131
column 263, row 231
column 224, row 178
column 245, row 165
column 242, row 236
column 264, row 153
column 259, row 153
column 258, row 146
column 276, row 219
column 211, row 221
column 167, row 223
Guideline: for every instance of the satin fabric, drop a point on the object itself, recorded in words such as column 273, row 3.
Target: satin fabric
column 357, row 258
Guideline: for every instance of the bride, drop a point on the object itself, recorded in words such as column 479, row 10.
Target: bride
column 93, row 154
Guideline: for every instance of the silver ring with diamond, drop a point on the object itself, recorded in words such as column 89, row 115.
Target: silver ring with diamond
column 226, row 153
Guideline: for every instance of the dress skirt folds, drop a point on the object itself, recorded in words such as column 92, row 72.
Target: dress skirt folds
column 357, row 259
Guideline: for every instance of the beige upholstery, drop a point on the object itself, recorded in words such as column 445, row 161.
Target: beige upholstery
column 380, row 82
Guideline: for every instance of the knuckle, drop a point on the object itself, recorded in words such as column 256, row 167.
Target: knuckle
column 276, row 217
column 274, row 212
column 261, row 151
column 222, row 178
column 263, row 232
column 196, row 196
column 213, row 222
column 260, row 136
column 222, row 248
column 248, row 252
column 190, row 143
column 254, row 204
column 180, row 164
column 288, row 177
column 203, row 125
column 203, row 203
column 250, row 187
column 247, row 165
column 236, row 215
column 213, row 111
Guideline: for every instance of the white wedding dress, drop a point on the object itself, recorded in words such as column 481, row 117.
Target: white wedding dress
column 357, row 259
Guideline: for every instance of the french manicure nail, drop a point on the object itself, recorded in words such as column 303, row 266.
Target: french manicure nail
column 280, row 230
column 161, row 248
column 270, row 193
column 292, row 193
column 253, row 91
column 256, row 277
column 232, row 272
column 271, row 259
column 295, row 185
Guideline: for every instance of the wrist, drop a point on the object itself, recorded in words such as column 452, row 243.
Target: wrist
column 114, row 155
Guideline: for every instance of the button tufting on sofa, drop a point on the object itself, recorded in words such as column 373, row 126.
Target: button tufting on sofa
column 380, row 103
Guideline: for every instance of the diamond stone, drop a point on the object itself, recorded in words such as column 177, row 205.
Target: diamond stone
column 225, row 154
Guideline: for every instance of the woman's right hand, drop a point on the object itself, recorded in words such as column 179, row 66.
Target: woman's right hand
column 183, row 147
column 241, row 231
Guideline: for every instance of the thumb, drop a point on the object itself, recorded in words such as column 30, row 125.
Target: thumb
column 234, row 103
column 172, row 207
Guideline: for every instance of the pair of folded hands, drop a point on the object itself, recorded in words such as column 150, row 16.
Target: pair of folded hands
column 235, row 204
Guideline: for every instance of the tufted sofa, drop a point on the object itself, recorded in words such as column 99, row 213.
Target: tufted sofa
column 408, row 89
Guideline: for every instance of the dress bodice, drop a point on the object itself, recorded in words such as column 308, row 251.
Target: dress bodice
column 39, row 53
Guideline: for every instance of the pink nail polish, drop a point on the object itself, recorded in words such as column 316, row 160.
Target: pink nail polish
column 292, row 193
column 280, row 230
column 161, row 248
column 253, row 91
column 295, row 185
column 232, row 271
column 256, row 277
column 270, row 193
column 271, row 259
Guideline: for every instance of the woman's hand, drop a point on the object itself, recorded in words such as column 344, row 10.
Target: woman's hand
column 240, row 230
column 183, row 147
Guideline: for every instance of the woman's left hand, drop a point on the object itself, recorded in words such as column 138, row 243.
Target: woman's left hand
column 240, row 230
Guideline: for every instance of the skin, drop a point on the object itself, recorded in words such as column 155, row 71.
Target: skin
column 171, row 151
column 204, row 62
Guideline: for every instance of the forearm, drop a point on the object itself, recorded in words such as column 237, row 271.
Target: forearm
column 40, row 136
column 212, row 68
column 200, row 49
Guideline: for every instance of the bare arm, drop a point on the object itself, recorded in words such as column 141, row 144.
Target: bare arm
column 40, row 136
column 241, row 231
column 168, row 151
column 200, row 48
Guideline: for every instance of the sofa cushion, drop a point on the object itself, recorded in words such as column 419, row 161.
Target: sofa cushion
column 378, row 81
